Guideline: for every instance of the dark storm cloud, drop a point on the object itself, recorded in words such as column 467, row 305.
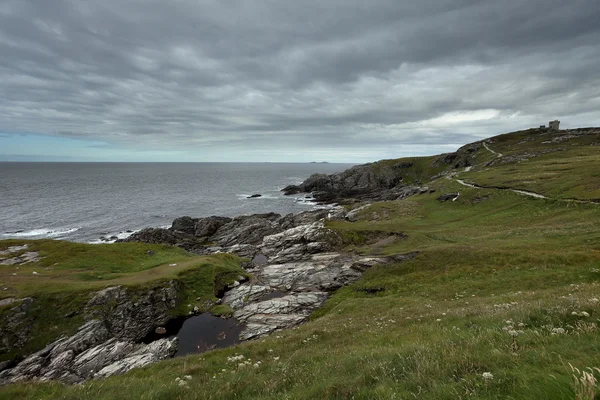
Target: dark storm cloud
column 298, row 75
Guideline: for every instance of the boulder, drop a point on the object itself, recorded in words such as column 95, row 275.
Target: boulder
column 184, row 224
column 208, row 226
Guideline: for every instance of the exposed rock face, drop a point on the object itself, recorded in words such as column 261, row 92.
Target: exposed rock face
column 294, row 281
column 88, row 353
column 356, row 181
column 154, row 236
column 235, row 235
column 14, row 332
column 247, row 229
column 132, row 319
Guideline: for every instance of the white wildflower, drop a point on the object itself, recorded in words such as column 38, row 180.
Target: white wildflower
column 487, row 376
column 177, row 379
column 438, row 320
column 558, row 331
column 188, row 377
column 256, row 365
column 513, row 333
column 276, row 358
column 584, row 314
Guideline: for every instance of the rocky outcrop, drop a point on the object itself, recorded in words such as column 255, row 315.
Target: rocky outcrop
column 16, row 325
column 298, row 272
column 132, row 315
column 239, row 235
column 88, row 353
column 247, row 229
column 117, row 319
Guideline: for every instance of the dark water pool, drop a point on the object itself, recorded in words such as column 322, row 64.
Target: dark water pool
column 201, row 333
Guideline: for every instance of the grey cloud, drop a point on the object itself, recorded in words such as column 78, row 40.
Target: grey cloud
column 296, row 75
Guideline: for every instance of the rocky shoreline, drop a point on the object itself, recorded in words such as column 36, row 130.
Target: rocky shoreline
column 294, row 266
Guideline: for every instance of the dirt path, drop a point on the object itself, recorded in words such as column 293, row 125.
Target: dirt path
column 524, row 192
column 492, row 151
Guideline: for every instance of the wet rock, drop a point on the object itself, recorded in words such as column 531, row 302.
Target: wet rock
column 254, row 196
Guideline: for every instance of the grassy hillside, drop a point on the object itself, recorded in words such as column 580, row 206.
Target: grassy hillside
column 501, row 302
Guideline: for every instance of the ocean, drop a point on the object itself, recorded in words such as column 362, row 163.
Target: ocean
column 83, row 202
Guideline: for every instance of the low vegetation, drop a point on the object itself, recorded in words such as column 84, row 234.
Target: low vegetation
column 501, row 301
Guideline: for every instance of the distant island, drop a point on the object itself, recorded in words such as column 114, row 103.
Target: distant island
column 317, row 162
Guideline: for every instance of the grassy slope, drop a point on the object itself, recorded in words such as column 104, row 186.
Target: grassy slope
column 490, row 260
column 70, row 272
column 569, row 169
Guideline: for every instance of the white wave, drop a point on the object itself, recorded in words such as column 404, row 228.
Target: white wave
column 41, row 233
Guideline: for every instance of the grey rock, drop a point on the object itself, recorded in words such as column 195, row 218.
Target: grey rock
column 145, row 355
column 208, row 226
column 184, row 224
column 96, row 358
column 58, row 365
column 8, row 301
column 266, row 316
column 293, row 244
column 16, row 325
column 129, row 315
column 89, row 334
column 242, row 250
column 247, row 229
column 447, row 196
column 352, row 216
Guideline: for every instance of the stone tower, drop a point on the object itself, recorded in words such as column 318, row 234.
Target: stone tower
column 554, row 125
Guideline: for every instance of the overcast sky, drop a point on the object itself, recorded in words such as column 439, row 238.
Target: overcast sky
column 279, row 80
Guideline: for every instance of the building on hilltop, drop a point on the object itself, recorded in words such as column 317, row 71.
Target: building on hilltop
column 554, row 125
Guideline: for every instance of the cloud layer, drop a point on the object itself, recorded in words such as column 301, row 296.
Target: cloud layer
column 346, row 80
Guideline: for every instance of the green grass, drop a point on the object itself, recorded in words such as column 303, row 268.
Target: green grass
column 567, row 169
column 429, row 327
